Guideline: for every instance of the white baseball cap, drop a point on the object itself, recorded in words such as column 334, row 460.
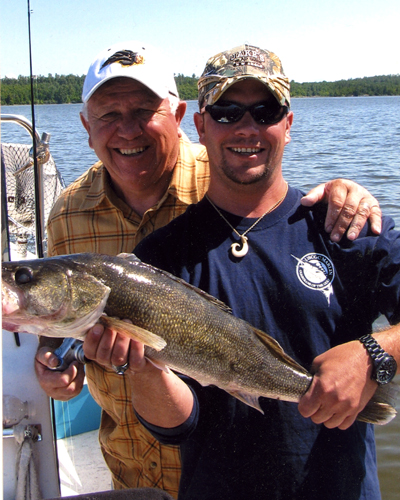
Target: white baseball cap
column 134, row 60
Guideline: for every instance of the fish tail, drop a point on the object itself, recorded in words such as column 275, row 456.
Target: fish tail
column 380, row 409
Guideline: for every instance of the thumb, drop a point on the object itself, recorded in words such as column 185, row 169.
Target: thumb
column 314, row 196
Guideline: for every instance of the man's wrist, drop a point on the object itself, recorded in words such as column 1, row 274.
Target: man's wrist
column 384, row 365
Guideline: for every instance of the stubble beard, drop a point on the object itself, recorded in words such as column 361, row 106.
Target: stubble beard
column 246, row 180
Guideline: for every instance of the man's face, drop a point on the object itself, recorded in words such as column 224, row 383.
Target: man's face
column 245, row 152
column 134, row 134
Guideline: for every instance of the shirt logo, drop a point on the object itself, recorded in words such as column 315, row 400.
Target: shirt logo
column 317, row 272
column 125, row 58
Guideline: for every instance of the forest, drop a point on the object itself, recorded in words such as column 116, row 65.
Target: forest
column 59, row 89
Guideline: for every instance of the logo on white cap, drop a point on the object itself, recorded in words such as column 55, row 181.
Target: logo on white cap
column 125, row 58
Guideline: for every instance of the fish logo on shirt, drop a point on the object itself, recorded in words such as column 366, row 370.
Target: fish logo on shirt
column 316, row 271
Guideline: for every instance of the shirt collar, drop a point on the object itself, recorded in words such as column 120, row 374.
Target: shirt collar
column 183, row 186
column 100, row 188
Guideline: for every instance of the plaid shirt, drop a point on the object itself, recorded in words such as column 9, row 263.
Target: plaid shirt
column 88, row 217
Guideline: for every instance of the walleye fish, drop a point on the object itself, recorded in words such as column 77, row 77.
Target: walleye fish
column 183, row 328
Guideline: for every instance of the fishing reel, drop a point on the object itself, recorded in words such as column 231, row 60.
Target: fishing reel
column 70, row 350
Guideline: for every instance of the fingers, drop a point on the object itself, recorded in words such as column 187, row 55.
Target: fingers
column 46, row 358
column 58, row 385
column 112, row 349
column 314, row 196
column 364, row 212
column 337, row 396
column 369, row 208
column 106, row 347
column 325, row 408
column 350, row 206
column 137, row 361
column 352, row 217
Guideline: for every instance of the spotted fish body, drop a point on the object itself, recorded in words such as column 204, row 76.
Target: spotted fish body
column 182, row 327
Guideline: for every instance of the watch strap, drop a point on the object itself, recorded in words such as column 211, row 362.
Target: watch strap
column 385, row 365
column 374, row 349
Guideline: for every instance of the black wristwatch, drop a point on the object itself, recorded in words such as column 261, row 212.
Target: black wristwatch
column 385, row 365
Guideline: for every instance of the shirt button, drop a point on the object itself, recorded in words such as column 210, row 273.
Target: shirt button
column 153, row 465
column 144, row 231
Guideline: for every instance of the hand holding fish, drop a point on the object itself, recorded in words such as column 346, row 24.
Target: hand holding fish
column 336, row 395
column 60, row 385
column 153, row 387
column 106, row 346
column 350, row 206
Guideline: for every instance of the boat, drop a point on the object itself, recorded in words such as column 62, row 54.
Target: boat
column 39, row 433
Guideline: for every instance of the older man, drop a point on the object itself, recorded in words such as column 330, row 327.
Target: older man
column 250, row 243
column 148, row 174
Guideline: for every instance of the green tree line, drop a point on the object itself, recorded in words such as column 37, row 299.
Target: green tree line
column 370, row 86
column 60, row 89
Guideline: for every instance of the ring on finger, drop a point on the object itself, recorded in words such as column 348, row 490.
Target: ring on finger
column 121, row 369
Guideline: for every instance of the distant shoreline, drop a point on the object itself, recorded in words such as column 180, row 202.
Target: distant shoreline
column 195, row 100
column 66, row 89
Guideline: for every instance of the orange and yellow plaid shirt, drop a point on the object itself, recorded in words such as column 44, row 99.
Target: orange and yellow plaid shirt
column 89, row 217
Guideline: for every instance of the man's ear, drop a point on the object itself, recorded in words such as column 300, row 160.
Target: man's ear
column 199, row 123
column 85, row 123
column 179, row 114
column 289, row 121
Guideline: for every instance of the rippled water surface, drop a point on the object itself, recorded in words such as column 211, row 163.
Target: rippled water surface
column 357, row 138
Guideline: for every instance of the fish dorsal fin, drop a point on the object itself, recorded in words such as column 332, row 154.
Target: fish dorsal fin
column 130, row 257
column 221, row 305
column 275, row 349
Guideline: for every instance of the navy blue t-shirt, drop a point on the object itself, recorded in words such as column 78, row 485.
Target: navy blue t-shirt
column 310, row 294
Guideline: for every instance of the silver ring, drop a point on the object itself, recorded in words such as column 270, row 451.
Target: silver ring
column 120, row 370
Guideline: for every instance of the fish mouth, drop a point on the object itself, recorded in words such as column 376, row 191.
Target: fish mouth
column 246, row 151
column 10, row 306
column 10, row 300
column 132, row 151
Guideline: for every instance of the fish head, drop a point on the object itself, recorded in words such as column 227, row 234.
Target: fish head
column 51, row 297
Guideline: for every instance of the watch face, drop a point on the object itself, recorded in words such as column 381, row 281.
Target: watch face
column 386, row 370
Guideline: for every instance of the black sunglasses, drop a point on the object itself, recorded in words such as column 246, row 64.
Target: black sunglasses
column 263, row 113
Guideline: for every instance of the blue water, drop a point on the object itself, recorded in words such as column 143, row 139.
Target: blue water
column 353, row 137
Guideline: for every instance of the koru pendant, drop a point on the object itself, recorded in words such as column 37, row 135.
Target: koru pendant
column 240, row 252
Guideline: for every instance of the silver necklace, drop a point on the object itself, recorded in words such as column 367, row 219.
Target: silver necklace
column 241, row 249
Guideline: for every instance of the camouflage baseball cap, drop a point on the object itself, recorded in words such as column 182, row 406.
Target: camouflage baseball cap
column 245, row 61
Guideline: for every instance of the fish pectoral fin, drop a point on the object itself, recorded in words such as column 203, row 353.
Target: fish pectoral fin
column 135, row 332
column 246, row 398
column 380, row 409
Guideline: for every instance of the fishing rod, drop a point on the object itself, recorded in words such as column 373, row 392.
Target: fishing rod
column 36, row 169
column 39, row 207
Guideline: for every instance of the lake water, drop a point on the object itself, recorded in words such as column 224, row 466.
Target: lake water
column 357, row 138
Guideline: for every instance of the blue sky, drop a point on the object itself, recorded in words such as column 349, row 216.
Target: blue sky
column 315, row 39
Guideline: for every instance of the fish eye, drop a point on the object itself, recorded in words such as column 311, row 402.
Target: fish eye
column 23, row 275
